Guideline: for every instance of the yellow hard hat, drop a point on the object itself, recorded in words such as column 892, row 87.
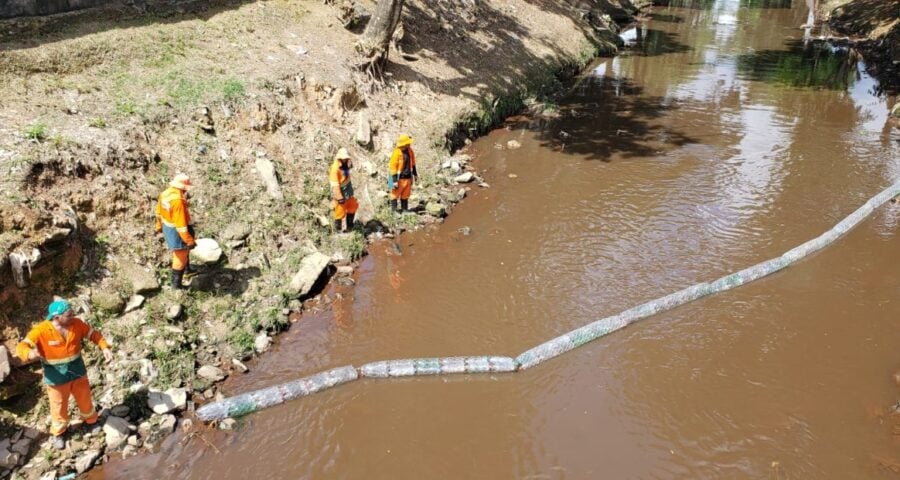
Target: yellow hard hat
column 181, row 182
column 342, row 154
column 404, row 140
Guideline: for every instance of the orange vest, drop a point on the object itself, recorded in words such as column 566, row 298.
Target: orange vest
column 61, row 356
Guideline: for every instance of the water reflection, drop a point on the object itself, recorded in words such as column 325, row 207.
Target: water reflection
column 812, row 65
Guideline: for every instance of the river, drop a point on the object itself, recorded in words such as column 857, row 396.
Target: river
column 722, row 137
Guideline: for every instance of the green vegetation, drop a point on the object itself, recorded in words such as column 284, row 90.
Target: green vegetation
column 36, row 131
column 97, row 122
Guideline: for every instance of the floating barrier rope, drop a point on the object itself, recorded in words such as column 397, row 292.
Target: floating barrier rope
column 257, row 400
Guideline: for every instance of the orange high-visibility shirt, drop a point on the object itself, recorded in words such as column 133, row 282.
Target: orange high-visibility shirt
column 172, row 211
column 61, row 356
column 340, row 180
column 396, row 165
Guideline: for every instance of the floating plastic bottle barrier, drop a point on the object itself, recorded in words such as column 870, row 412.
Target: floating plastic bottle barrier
column 253, row 401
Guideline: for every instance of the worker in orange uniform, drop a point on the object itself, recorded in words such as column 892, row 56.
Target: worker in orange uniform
column 173, row 219
column 57, row 343
column 345, row 204
column 402, row 172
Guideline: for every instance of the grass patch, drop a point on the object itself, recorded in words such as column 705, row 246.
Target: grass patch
column 36, row 131
column 233, row 89
column 97, row 122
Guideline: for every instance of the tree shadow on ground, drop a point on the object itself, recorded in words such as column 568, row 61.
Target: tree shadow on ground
column 444, row 31
column 805, row 65
column 610, row 117
column 220, row 280
column 30, row 32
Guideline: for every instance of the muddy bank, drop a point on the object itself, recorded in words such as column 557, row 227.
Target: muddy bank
column 874, row 28
column 252, row 101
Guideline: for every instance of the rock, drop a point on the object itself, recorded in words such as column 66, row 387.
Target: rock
column 141, row 280
column 239, row 365
column 436, row 209
column 345, row 270
column 108, row 301
column 56, row 235
column 22, row 447
column 165, row 402
column 466, row 231
column 237, row 231
column 174, row 311
column 117, row 431
column 148, row 372
column 211, row 373
column 363, row 130
column 134, row 303
column 51, row 475
column 311, row 268
column 464, row 178
column 512, row 175
column 4, row 363
column 266, row 170
column 897, row 378
column 8, row 459
column 513, row 144
column 462, row 159
column 227, row 424
column 261, row 343
column 134, row 441
column 207, row 251
column 120, row 411
column 167, row 424
column 86, row 460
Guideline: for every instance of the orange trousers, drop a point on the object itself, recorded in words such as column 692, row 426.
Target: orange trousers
column 402, row 189
column 342, row 209
column 180, row 259
column 59, row 404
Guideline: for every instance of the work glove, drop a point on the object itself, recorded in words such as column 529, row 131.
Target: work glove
column 390, row 182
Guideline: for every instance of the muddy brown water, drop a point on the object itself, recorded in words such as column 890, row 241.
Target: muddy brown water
column 718, row 141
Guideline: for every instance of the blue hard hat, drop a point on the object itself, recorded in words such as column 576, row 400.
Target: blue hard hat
column 58, row 307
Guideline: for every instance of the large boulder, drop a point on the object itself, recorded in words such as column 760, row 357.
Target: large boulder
column 206, row 251
column 86, row 460
column 142, row 280
column 311, row 268
column 108, row 301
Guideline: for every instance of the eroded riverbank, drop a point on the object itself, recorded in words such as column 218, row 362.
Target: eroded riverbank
column 721, row 139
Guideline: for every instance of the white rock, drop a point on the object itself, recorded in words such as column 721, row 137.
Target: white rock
column 134, row 303
column 165, row 402
column 240, row 365
column 211, row 373
column 173, row 312
column 117, row 431
column 86, row 460
column 464, row 178
column 311, row 268
column 206, row 251
column 513, row 144
column 4, row 363
column 167, row 424
column 261, row 343
column 269, row 177
column 363, row 130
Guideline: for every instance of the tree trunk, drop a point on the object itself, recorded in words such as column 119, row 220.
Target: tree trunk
column 376, row 39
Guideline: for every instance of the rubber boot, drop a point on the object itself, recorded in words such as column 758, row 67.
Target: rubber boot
column 337, row 225
column 404, row 204
column 177, row 276
column 394, row 206
column 350, row 217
